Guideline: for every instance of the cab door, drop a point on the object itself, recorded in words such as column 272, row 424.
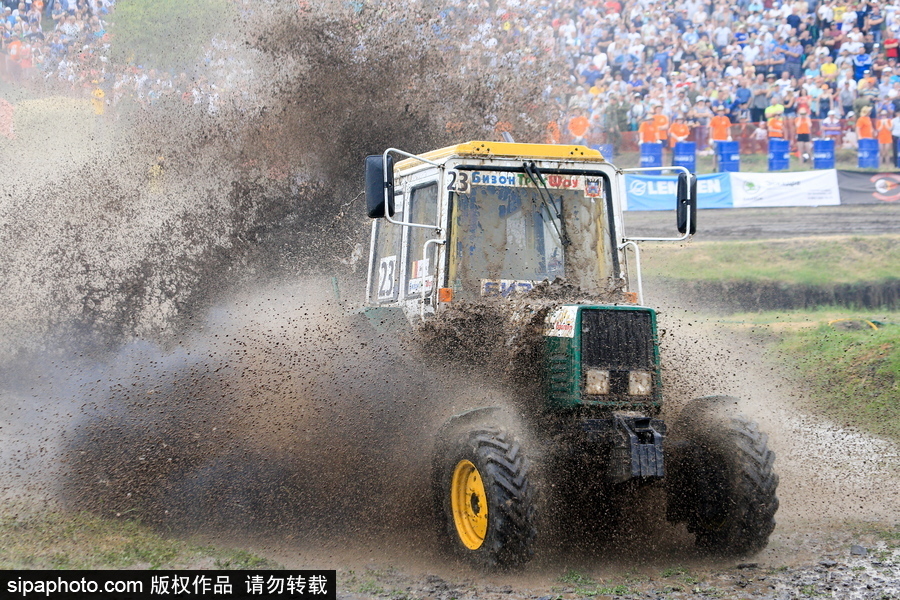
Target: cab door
column 422, row 266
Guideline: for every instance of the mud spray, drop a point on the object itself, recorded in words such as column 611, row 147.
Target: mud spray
column 175, row 348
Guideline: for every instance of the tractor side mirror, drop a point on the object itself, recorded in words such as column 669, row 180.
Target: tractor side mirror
column 686, row 203
column 377, row 192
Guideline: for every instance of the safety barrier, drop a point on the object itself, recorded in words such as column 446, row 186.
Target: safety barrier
column 651, row 155
column 823, row 154
column 779, row 154
column 685, row 155
column 826, row 187
column 868, row 153
column 728, row 156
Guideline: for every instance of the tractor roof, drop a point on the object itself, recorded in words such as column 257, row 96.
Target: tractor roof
column 482, row 149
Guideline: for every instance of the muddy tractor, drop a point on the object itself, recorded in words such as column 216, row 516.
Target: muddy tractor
column 525, row 245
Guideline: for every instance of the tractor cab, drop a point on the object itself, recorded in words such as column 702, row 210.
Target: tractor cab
column 493, row 219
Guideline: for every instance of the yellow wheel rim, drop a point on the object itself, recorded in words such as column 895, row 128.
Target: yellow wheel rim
column 468, row 501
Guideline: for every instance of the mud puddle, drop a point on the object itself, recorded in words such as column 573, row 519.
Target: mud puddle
column 838, row 490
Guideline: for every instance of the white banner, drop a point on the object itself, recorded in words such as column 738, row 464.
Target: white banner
column 808, row 188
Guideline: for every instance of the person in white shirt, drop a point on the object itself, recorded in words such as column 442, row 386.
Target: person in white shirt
column 734, row 70
column 895, row 134
column 825, row 12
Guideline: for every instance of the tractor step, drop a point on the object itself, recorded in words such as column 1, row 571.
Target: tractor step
column 635, row 446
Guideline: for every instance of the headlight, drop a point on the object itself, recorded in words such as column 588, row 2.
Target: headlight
column 640, row 383
column 597, row 382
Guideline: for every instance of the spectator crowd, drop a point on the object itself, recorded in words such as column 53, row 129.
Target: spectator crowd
column 64, row 45
column 706, row 70
column 634, row 70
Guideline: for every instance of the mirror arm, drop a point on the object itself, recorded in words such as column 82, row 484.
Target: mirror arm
column 387, row 182
column 626, row 239
column 637, row 267
column 434, row 286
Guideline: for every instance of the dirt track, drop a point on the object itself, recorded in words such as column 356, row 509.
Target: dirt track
column 838, row 487
column 765, row 223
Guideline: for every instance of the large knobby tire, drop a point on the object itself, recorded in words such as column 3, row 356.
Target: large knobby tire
column 721, row 480
column 485, row 498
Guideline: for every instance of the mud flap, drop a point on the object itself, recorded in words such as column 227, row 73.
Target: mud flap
column 635, row 446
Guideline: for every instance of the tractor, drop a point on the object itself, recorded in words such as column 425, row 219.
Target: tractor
column 527, row 241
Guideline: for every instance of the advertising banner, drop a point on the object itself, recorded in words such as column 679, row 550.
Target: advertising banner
column 809, row 188
column 869, row 188
column 658, row 193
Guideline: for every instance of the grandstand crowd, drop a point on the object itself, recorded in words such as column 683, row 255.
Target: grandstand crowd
column 711, row 70
column 64, row 45
column 637, row 70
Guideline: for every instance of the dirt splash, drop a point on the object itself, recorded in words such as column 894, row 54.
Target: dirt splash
column 275, row 413
column 829, row 474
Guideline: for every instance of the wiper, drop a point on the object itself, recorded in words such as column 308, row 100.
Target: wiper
column 540, row 183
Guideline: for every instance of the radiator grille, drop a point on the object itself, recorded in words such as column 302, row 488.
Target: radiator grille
column 617, row 340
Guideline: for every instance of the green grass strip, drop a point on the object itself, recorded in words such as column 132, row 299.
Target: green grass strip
column 854, row 374
column 817, row 261
column 58, row 540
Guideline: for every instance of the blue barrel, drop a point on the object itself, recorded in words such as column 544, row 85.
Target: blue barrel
column 685, row 155
column 651, row 156
column 868, row 153
column 728, row 155
column 607, row 150
column 823, row 154
column 779, row 154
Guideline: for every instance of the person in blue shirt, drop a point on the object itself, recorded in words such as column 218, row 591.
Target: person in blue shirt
column 862, row 62
column 661, row 58
column 591, row 75
column 682, row 20
column 690, row 36
column 742, row 96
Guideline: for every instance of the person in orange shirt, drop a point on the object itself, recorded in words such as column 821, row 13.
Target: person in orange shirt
column 719, row 127
column 679, row 131
column 885, row 139
column 803, row 126
column 13, row 49
column 864, row 127
column 552, row 135
column 578, row 127
column 648, row 133
column 775, row 125
column 662, row 124
column 719, row 130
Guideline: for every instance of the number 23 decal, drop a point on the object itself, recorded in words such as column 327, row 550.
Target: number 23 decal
column 387, row 271
column 459, row 182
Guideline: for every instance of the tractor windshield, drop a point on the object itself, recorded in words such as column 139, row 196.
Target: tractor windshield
column 511, row 231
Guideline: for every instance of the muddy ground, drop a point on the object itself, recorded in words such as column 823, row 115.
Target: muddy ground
column 839, row 488
column 836, row 534
column 767, row 223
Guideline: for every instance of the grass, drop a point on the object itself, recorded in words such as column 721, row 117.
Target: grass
column 853, row 375
column 54, row 540
column 802, row 261
column 889, row 534
column 573, row 577
column 809, row 591
column 586, row 586
column 681, row 574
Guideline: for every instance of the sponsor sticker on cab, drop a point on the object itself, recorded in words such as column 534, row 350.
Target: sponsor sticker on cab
column 561, row 322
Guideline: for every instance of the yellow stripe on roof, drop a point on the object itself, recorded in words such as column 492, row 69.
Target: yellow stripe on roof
column 508, row 150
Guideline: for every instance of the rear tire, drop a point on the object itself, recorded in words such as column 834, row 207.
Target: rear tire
column 485, row 499
column 721, row 479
